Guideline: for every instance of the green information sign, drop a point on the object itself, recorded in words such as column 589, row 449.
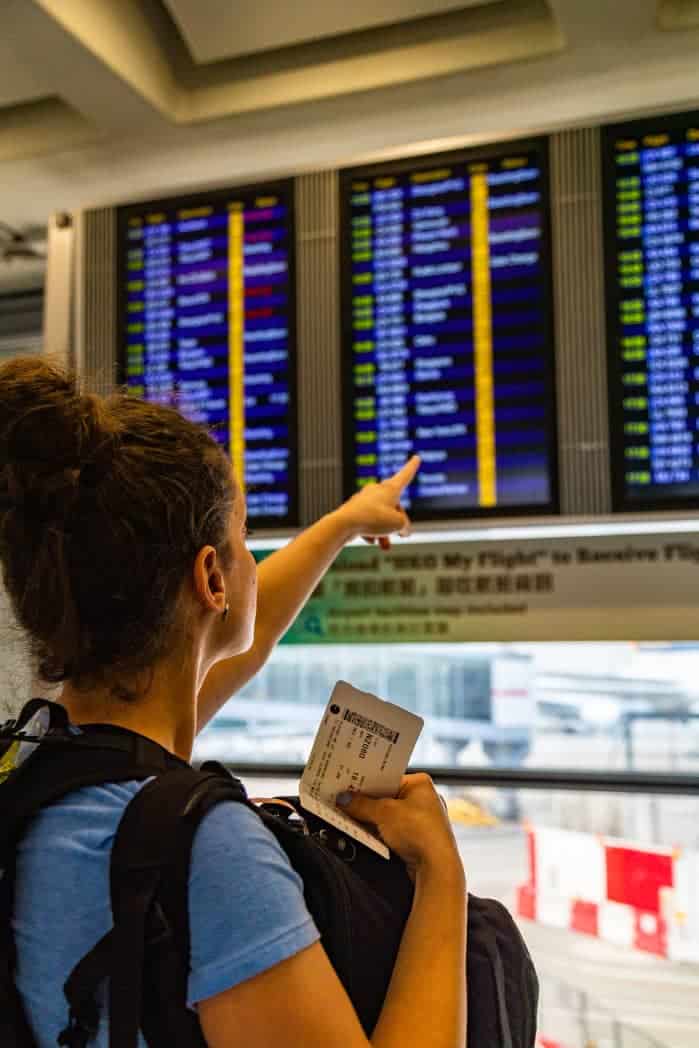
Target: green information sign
column 618, row 587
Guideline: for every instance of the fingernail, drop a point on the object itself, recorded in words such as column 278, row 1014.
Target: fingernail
column 343, row 799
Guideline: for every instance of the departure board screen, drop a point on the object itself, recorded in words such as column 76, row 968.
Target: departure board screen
column 206, row 304
column 651, row 190
column 447, row 330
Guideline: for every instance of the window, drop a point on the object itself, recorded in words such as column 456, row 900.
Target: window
column 597, row 707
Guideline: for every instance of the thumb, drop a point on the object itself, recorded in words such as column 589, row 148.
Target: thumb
column 358, row 805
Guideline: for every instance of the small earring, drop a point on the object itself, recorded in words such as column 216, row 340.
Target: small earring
column 225, row 612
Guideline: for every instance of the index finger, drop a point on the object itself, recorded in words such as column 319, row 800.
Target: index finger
column 405, row 474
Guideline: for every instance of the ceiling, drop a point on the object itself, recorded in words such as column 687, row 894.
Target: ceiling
column 103, row 101
column 217, row 29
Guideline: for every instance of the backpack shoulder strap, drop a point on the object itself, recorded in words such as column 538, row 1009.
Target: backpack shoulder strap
column 149, row 877
column 14, row 1028
column 67, row 758
column 62, row 760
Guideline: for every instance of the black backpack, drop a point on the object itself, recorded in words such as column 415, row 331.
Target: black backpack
column 359, row 901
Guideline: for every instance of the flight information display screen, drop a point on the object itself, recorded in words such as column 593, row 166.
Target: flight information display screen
column 651, row 190
column 447, row 322
column 206, row 302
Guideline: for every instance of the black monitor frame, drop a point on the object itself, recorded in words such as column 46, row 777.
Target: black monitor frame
column 636, row 128
column 285, row 189
column 418, row 163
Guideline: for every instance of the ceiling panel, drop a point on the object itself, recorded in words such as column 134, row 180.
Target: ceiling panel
column 218, row 29
column 19, row 81
column 95, row 135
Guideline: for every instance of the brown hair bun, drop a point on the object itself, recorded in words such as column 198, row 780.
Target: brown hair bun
column 103, row 505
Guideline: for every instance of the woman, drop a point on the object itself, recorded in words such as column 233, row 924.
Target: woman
column 122, row 538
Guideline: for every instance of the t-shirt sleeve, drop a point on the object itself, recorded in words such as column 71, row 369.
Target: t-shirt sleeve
column 246, row 906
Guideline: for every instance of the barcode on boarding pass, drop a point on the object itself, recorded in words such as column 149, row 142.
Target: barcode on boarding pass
column 371, row 726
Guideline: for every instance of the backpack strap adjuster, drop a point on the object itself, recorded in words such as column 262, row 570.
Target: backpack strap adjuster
column 158, row 927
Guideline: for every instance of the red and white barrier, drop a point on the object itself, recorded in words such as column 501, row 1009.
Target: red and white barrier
column 632, row 895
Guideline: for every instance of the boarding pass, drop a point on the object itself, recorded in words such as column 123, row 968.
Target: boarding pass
column 363, row 744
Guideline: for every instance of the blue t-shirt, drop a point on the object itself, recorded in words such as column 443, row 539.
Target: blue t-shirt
column 246, row 906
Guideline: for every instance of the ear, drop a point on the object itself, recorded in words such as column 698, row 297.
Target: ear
column 208, row 581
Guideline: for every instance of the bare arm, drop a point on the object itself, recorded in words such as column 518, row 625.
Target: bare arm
column 287, row 578
column 426, row 1000
column 285, row 581
column 301, row 1003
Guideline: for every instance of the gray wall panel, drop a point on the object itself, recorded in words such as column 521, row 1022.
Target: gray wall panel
column 320, row 436
column 580, row 331
column 95, row 321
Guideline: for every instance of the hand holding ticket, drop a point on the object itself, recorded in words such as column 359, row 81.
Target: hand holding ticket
column 363, row 743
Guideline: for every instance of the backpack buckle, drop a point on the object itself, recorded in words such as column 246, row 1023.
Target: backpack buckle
column 158, row 928
column 7, row 729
